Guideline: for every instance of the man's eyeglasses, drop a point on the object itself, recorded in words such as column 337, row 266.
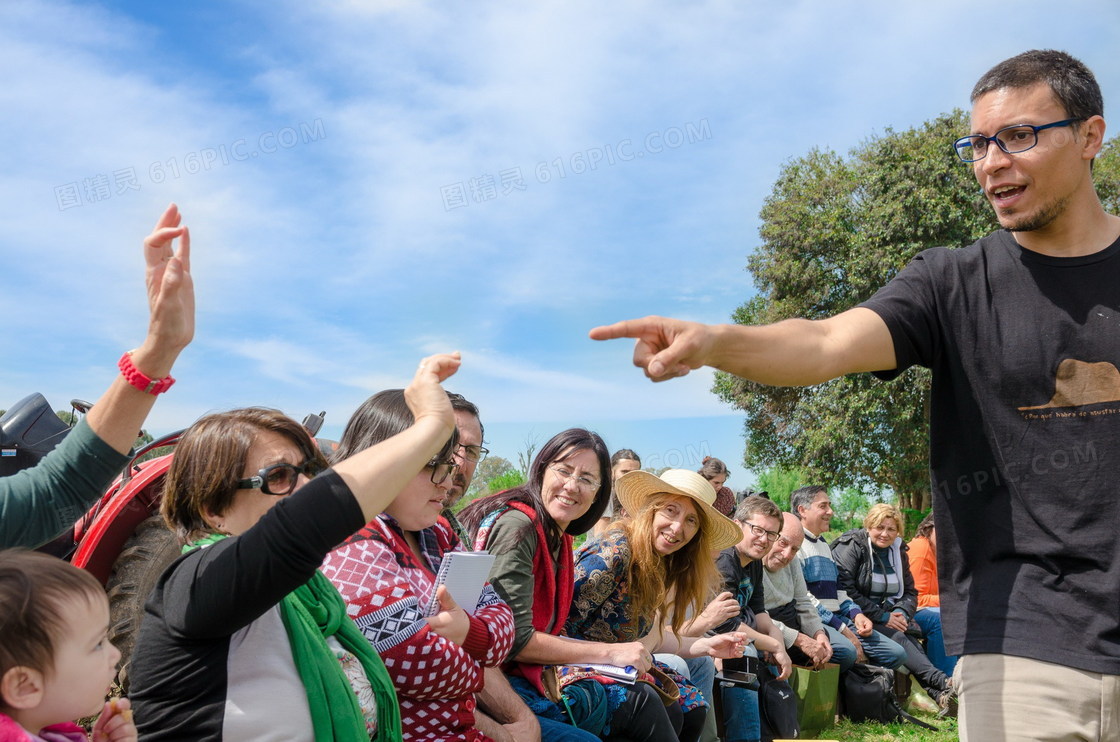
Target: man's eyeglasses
column 280, row 479
column 441, row 470
column 473, row 452
column 582, row 481
column 758, row 531
column 1011, row 139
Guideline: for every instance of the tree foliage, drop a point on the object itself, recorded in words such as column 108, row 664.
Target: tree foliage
column 491, row 475
column 779, row 483
column 489, row 469
column 834, row 230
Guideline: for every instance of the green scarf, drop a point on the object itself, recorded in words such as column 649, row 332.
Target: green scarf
column 312, row 612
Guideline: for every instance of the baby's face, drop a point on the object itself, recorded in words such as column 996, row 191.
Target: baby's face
column 85, row 662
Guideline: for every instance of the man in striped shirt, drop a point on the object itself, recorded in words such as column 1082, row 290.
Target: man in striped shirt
column 849, row 631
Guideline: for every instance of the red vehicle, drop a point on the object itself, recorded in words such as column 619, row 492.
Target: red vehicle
column 122, row 539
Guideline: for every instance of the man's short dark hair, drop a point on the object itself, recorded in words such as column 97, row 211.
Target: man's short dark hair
column 804, row 496
column 1072, row 83
column 625, row 454
column 459, row 402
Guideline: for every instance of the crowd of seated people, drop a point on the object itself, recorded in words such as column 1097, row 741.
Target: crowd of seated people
column 306, row 604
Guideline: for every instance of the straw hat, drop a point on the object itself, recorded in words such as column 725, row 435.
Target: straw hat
column 637, row 487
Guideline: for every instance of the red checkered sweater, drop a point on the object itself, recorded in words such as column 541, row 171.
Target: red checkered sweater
column 385, row 589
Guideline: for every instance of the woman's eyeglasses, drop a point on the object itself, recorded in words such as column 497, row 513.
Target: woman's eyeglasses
column 441, row 470
column 280, row 479
column 584, row 482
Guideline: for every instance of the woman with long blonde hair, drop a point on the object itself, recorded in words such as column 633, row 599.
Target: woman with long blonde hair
column 646, row 576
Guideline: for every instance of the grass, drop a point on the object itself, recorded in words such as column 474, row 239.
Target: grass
column 847, row 731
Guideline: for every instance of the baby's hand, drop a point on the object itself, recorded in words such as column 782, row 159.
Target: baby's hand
column 115, row 723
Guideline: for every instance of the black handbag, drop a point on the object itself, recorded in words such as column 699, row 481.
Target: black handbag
column 868, row 695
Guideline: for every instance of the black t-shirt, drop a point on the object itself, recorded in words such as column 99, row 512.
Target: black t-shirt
column 745, row 583
column 1024, row 443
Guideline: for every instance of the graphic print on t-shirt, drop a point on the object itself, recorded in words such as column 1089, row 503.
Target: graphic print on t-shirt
column 1080, row 383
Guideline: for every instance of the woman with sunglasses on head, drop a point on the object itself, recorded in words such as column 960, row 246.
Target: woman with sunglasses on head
column 243, row 638
column 386, row 573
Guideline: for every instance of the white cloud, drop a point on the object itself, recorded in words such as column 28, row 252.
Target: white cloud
column 326, row 269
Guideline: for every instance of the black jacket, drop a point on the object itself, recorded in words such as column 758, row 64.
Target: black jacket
column 852, row 553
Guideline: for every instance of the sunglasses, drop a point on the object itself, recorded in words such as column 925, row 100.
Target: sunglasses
column 280, row 479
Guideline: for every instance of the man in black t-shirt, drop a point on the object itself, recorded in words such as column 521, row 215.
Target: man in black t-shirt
column 740, row 570
column 1022, row 333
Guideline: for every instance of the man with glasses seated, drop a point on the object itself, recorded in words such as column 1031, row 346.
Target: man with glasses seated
column 849, row 631
column 740, row 567
column 467, row 455
column 791, row 607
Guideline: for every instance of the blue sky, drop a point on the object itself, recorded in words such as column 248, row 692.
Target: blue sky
column 369, row 182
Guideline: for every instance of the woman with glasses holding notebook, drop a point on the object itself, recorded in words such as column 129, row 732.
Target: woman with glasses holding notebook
column 243, row 638
column 434, row 650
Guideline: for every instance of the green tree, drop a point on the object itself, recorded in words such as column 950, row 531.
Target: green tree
column 849, row 505
column 489, row 469
column 779, row 483
column 493, row 474
column 1106, row 175
column 834, row 230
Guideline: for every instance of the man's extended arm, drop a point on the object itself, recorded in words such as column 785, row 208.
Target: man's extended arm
column 794, row 352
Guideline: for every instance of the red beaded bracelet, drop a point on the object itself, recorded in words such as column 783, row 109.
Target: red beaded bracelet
column 139, row 379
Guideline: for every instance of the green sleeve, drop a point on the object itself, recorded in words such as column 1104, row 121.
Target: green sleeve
column 513, row 541
column 38, row 504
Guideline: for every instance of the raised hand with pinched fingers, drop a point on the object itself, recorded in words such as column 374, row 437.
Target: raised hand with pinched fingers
column 169, row 283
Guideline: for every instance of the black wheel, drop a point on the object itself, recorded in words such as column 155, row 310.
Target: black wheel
column 144, row 557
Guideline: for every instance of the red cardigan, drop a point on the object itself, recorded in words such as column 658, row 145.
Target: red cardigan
column 385, row 588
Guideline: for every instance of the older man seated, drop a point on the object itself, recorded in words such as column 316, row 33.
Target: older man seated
column 790, row 606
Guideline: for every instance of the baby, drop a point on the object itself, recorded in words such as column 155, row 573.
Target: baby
column 56, row 661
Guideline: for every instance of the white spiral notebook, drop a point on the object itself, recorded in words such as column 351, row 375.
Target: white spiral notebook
column 465, row 574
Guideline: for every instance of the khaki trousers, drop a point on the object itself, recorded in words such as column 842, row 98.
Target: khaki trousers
column 1014, row 698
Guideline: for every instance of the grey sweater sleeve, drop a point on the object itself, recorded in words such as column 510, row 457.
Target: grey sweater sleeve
column 39, row 503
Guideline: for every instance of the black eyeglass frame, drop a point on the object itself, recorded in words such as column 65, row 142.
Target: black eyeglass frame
column 447, row 467
column 480, row 452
